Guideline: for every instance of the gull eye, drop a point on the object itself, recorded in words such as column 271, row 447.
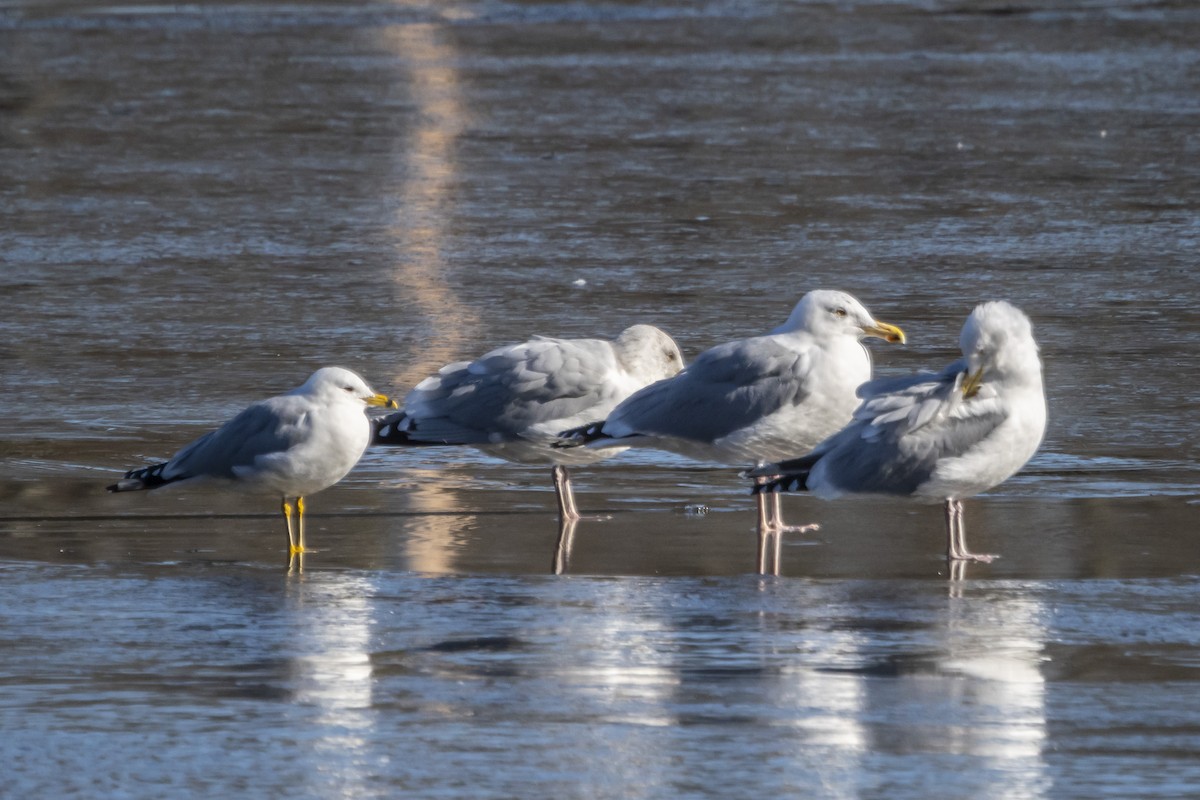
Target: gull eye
column 349, row 389
column 839, row 312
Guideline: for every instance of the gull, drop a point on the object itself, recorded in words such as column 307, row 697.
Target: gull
column 292, row 446
column 513, row 401
column 755, row 400
column 937, row 437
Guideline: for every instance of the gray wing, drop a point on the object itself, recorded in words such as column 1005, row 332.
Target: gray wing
column 270, row 426
column 727, row 388
column 511, row 389
column 900, row 383
column 902, row 429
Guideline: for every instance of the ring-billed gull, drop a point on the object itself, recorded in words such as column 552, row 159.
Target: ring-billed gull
column 292, row 445
column 938, row 437
column 754, row 400
column 513, row 401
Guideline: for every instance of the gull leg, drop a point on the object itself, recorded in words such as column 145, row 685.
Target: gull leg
column 562, row 548
column 300, row 523
column 286, row 508
column 767, row 507
column 771, row 516
column 771, row 530
column 960, row 536
column 959, row 551
column 778, row 549
column 567, row 511
column 764, row 533
column 951, row 539
column 772, row 544
column 777, row 519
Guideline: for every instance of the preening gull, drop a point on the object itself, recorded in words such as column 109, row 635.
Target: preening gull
column 293, row 445
column 513, row 401
column 755, row 400
column 937, row 437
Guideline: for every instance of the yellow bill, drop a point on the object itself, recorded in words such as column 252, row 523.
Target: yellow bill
column 382, row 400
column 889, row 333
column 971, row 384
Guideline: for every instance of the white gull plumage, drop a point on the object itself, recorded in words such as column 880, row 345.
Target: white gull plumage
column 937, row 437
column 758, row 399
column 292, row 446
column 513, row 401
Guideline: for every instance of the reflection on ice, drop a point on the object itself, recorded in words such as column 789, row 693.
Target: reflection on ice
column 982, row 690
column 828, row 706
column 221, row 192
column 330, row 623
column 563, row 546
column 425, row 173
column 628, row 676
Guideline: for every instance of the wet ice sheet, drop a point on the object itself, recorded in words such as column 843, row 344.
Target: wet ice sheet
column 368, row 683
column 205, row 202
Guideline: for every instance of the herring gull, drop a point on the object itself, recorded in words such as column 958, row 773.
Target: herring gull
column 513, row 401
column 292, row 445
column 755, row 400
column 937, row 437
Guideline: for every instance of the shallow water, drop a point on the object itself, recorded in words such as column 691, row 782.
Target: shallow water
column 202, row 203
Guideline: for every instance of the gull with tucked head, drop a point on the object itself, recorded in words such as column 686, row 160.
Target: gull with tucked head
column 513, row 401
column 937, row 437
column 291, row 446
column 755, row 400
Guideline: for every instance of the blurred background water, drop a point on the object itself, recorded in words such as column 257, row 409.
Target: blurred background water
column 202, row 203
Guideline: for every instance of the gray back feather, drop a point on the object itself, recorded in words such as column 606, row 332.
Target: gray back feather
column 724, row 390
column 510, row 389
column 903, row 427
column 266, row 427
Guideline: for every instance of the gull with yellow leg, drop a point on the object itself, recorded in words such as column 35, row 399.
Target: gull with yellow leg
column 292, row 445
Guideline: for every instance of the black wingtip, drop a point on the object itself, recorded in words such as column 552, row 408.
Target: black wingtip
column 783, row 483
column 577, row 437
column 401, row 430
column 145, row 478
column 786, row 476
column 391, row 430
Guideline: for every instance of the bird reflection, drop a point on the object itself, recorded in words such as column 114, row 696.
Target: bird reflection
column 958, row 574
column 330, row 671
column 986, row 677
column 770, row 540
column 563, row 545
column 826, row 701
